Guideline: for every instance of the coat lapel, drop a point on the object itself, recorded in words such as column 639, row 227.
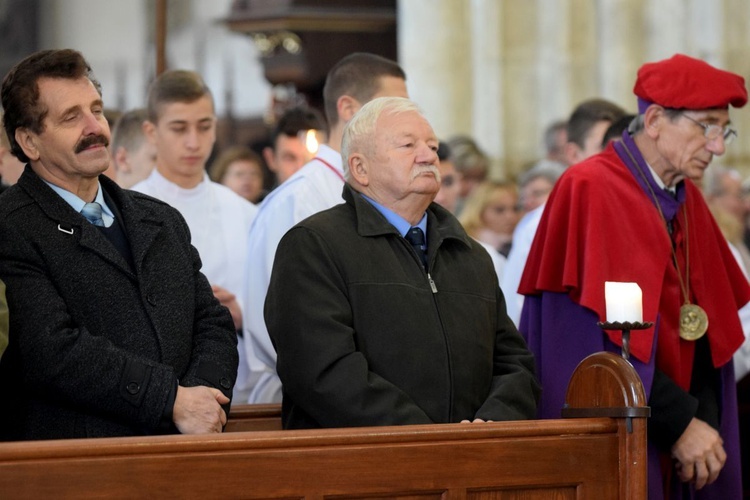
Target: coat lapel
column 64, row 218
column 140, row 225
column 94, row 240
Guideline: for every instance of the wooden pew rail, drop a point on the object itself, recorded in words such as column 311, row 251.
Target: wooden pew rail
column 594, row 458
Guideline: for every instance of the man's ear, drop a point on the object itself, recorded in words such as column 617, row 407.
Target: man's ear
column 652, row 119
column 149, row 130
column 121, row 160
column 572, row 153
column 268, row 157
column 346, row 106
column 358, row 169
column 27, row 140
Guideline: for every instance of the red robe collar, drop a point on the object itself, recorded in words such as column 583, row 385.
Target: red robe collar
column 600, row 225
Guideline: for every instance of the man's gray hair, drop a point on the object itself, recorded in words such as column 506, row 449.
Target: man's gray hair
column 637, row 125
column 359, row 132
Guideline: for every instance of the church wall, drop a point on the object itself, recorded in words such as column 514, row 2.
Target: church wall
column 531, row 62
column 498, row 70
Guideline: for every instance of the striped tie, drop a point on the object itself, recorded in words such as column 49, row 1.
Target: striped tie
column 415, row 236
column 93, row 213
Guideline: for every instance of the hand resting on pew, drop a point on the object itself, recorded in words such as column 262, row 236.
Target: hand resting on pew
column 197, row 410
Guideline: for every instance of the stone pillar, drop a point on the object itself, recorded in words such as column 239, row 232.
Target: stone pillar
column 501, row 71
column 487, row 103
column 665, row 29
column 619, row 50
column 705, row 31
column 736, row 40
column 552, row 89
column 434, row 50
column 530, row 78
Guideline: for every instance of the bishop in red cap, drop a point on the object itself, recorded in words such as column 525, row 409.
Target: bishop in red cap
column 633, row 214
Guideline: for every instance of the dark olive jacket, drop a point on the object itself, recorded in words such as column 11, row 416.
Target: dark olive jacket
column 365, row 336
column 97, row 344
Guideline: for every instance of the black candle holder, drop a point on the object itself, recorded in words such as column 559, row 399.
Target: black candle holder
column 625, row 327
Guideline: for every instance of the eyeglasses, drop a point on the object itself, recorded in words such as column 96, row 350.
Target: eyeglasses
column 712, row 131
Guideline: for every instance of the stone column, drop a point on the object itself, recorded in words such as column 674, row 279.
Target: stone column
column 665, row 28
column 735, row 41
column 500, row 71
column 487, row 103
column 620, row 50
column 434, row 50
column 553, row 75
column 705, row 31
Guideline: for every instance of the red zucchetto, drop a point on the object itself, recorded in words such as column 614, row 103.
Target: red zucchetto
column 682, row 82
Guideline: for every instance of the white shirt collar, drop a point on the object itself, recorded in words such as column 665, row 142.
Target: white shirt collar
column 660, row 182
column 77, row 203
column 171, row 189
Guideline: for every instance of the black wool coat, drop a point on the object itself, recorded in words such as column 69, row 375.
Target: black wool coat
column 98, row 344
column 364, row 336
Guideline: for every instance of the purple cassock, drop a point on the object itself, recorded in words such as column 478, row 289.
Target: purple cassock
column 561, row 332
column 571, row 334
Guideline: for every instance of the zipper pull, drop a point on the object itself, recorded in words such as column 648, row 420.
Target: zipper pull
column 432, row 283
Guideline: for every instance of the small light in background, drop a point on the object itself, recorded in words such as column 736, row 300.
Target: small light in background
column 312, row 139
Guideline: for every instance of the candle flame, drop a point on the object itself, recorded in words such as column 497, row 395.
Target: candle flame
column 311, row 141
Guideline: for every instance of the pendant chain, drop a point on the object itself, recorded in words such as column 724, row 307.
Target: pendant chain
column 684, row 285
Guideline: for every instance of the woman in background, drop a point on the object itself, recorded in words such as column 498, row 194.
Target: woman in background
column 491, row 214
column 241, row 170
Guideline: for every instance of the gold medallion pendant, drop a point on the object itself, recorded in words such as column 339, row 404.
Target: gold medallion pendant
column 693, row 322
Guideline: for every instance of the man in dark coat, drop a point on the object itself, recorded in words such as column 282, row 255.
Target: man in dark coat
column 372, row 330
column 113, row 329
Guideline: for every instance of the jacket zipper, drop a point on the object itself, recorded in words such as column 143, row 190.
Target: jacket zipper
column 434, row 289
column 432, row 283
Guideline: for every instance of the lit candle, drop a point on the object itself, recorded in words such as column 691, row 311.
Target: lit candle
column 311, row 141
column 624, row 302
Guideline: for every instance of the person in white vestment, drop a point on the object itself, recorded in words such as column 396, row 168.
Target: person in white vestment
column 181, row 125
column 289, row 149
column 352, row 82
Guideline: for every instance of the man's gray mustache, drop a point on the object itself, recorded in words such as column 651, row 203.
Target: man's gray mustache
column 419, row 170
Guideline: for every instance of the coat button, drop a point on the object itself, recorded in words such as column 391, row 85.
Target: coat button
column 133, row 388
column 225, row 383
column 151, row 300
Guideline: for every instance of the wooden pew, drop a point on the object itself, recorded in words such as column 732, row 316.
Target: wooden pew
column 600, row 457
column 253, row 418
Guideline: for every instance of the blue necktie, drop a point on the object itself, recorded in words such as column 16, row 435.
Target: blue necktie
column 415, row 236
column 93, row 213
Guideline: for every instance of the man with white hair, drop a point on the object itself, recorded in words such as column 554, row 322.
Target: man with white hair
column 373, row 323
column 353, row 81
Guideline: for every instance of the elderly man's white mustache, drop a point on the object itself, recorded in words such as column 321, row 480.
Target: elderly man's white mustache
column 421, row 169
